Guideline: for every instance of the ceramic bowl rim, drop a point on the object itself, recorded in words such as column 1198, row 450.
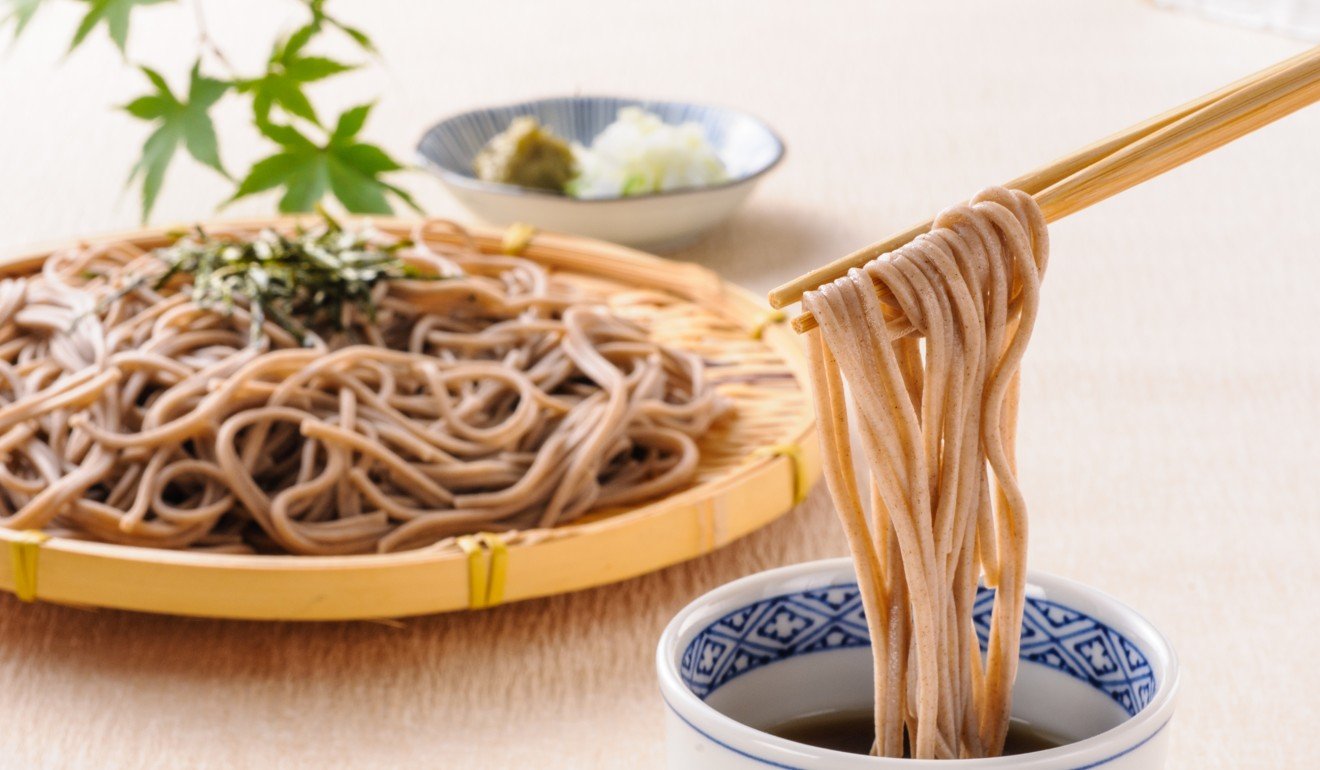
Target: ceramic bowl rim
column 1127, row 736
column 459, row 179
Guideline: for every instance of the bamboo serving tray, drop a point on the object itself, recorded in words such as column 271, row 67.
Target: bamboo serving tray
column 754, row 467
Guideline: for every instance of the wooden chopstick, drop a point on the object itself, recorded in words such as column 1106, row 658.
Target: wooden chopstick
column 1031, row 183
column 1124, row 159
column 1214, row 125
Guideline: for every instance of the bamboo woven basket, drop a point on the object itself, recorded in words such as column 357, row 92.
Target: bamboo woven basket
column 753, row 469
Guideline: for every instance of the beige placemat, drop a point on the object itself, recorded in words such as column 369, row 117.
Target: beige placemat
column 1171, row 405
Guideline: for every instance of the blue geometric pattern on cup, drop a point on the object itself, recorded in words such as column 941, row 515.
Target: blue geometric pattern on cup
column 832, row 618
column 1079, row 645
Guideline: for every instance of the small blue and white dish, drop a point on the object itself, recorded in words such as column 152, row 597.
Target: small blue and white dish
column 657, row 221
column 793, row 642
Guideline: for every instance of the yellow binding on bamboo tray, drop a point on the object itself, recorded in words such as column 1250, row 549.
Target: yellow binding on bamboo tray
column 769, row 319
column 517, row 238
column 801, row 475
column 488, row 567
column 24, row 551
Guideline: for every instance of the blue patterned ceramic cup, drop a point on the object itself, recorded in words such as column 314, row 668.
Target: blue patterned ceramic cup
column 793, row 641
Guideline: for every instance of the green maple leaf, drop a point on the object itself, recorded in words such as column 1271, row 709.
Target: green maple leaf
column 115, row 14
column 20, row 13
column 178, row 122
column 320, row 19
column 287, row 71
column 344, row 166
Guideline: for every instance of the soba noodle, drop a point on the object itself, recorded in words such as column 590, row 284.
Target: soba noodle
column 932, row 382
column 499, row 398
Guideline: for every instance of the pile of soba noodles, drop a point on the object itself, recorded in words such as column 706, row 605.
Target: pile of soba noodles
column 327, row 392
column 931, row 376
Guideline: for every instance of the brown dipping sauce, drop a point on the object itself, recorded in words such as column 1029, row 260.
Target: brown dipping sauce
column 853, row 731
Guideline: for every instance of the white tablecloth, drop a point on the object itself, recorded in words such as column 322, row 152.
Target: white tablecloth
column 1170, row 402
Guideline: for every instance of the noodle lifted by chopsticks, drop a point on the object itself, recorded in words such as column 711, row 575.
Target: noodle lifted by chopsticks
column 936, row 422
